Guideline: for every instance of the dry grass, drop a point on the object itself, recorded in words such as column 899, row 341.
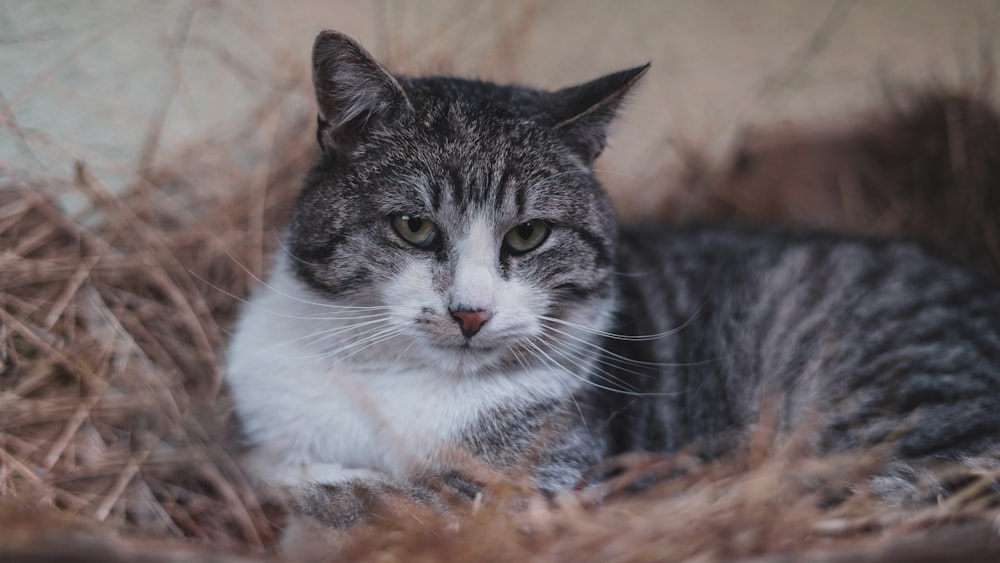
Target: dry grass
column 114, row 426
column 768, row 503
column 113, row 318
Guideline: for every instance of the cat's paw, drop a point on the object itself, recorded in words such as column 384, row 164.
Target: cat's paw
column 326, row 518
column 271, row 471
column 333, row 473
column 344, row 503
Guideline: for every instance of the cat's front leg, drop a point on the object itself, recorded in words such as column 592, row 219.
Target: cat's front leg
column 271, row 468
column 325, row 516
column 328, row 506
column 294, row 476
column 328, row 516
column 344, row 504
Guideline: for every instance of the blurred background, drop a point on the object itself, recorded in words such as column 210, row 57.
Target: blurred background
column 150, row 150
column 120, row 85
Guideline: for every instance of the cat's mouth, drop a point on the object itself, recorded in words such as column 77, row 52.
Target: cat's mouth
column 468, row 347
column 446, row 336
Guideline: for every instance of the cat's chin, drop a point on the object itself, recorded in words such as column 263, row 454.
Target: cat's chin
column 473, row 358
column 468, row 350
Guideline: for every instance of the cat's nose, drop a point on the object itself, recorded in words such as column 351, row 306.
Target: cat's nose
column 471, row 321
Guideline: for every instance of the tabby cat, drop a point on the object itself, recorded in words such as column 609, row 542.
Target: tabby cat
column 455, row 286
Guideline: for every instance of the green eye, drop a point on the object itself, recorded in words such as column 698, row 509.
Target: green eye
column 527, row 236
column 414, row 230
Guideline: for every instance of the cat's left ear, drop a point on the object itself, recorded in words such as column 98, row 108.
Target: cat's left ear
column 353, row 92
column 584, row 112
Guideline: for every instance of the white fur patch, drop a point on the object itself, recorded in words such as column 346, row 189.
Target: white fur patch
column 319, row 402
column 476, row 272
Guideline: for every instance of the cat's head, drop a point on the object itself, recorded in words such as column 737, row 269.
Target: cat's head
column 468, row 210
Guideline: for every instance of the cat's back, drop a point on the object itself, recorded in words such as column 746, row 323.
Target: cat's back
column 719, row 262
column 866, row 330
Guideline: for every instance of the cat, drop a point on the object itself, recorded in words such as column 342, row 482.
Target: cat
column 455, row 285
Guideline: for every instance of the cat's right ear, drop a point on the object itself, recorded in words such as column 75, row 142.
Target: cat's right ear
column 584, row 112
column 353, row 91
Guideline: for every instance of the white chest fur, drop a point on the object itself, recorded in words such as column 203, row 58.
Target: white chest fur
column 319, row 416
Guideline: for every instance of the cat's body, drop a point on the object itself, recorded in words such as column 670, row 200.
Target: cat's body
column 456, row 287
column 847, row 336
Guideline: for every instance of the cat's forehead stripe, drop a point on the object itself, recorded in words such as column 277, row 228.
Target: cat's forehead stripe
column 434, row 187
column 501, row 189
column 474, row 187
column 457, row 185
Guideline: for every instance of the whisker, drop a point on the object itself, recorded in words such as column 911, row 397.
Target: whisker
column 517, row 356
column 601, row 358
column 368, row 338
column 343, row 316
column 570, row 394
column 548, row 360
column 299, row 299
column 626, row 337
column 593, row 370
column 376, row 339
column 608, row 377
column 288, row 252
column 320, row 336
column 309, row 342
column 314, row 316
column 626, row 359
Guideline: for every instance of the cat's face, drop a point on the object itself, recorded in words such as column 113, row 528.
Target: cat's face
column 466, row 213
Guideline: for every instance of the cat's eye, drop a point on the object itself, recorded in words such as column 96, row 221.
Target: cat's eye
column 527, row 236
column 414, row 230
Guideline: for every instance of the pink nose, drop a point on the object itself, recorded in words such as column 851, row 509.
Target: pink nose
column 471, row 321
